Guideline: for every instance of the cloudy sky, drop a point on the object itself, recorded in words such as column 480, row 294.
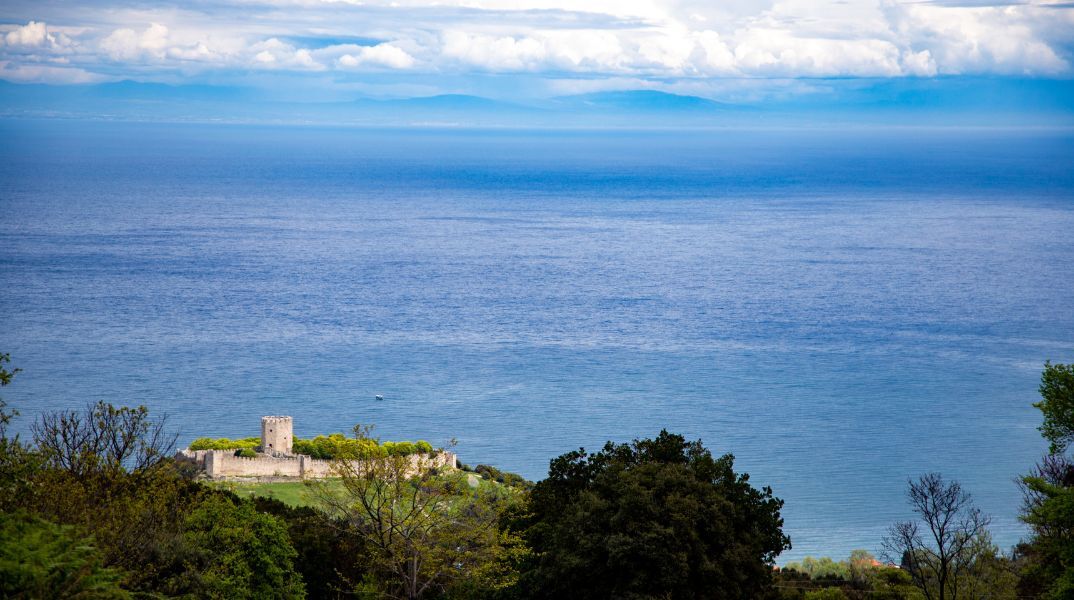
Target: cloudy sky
column 505, row 48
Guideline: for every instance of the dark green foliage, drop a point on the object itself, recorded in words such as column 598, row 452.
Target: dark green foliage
column 5, row 375
column 1057, row 404
column 103, row 474
column 326, row 552
column 5, row 379
column 241, row 553
column 17, row 462
column 889, row 583
column 39, row 559
column 246, row 453
column 1048, row 559
column 656, row 518
column 1049, row 511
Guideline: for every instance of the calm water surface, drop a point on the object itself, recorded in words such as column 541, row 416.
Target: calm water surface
column 840, row 310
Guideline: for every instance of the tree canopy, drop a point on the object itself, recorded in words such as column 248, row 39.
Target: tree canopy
column 657, row 517
column 1049, row 492
column 1057, row 404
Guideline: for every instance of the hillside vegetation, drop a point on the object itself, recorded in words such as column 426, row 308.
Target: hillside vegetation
column 92, row 506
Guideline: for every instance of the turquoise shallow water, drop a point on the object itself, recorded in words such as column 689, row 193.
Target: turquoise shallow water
column 841, row 310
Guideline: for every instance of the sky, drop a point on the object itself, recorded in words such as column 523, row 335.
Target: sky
column 510, row 49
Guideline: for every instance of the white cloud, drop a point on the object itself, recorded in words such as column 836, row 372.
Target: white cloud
column 382, row 55
column 919, row 64
column 493, row 53
column 274, row 53
column 644, row 40
column 128, row 45
column 31, row 34
column 46, row 74
column 35, row 35
column 996, row 40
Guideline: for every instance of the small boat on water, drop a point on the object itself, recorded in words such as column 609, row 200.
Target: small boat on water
column 379, row 397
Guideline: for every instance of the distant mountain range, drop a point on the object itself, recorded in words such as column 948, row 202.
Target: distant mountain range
column 939, row 101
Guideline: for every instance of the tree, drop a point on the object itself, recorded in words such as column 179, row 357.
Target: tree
column 5, row 380
column 242, row 553
column 1048, row 492
column 1057, row 404
column 102, row 437
column 940, row 555
column 325, row 549
column 991, row 575
column 655, row 518
column 39, row 559
column 424, row 532
column 17, row 462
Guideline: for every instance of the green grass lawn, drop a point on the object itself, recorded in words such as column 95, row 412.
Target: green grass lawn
column 293, row 493
column 296, row 493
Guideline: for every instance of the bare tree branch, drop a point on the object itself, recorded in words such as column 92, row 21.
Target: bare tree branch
column 938, row 560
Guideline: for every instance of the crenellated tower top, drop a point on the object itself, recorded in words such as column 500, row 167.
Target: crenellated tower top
column 276, row 434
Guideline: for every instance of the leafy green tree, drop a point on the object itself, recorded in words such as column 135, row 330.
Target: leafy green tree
column 18, row 464
column 5, row 379
column 106, row 472
column 242, row 553
column 326, row 550
column 655, row 518
column 991, row 575
column 39, row 559
column 1057, row 404
column 831, row 593
column 1048, row 558
column 424, row 533
column 891, row 583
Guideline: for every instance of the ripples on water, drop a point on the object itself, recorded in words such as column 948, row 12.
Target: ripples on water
column 839, row 310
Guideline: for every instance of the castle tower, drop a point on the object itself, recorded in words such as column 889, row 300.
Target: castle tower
column 276, row 436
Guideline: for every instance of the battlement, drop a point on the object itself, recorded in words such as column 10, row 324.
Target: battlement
column 277, row 435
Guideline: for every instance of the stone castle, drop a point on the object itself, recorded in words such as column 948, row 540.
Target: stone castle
column 275, row 459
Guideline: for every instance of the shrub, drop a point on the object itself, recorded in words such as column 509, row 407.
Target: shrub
column 225, row 444
column 243, row 553
column 658, row 518
column 399, row 448
column 825, row 594
column 246, row 453
column 338, row 445
column 326, row 447
column 39, row 559
column 503, row 477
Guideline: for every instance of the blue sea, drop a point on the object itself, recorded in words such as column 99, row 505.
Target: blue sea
column 840, row 309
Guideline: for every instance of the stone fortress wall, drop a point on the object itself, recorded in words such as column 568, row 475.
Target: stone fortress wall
column 276, row 460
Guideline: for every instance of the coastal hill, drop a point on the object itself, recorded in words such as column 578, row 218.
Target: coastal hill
column 966, row 101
